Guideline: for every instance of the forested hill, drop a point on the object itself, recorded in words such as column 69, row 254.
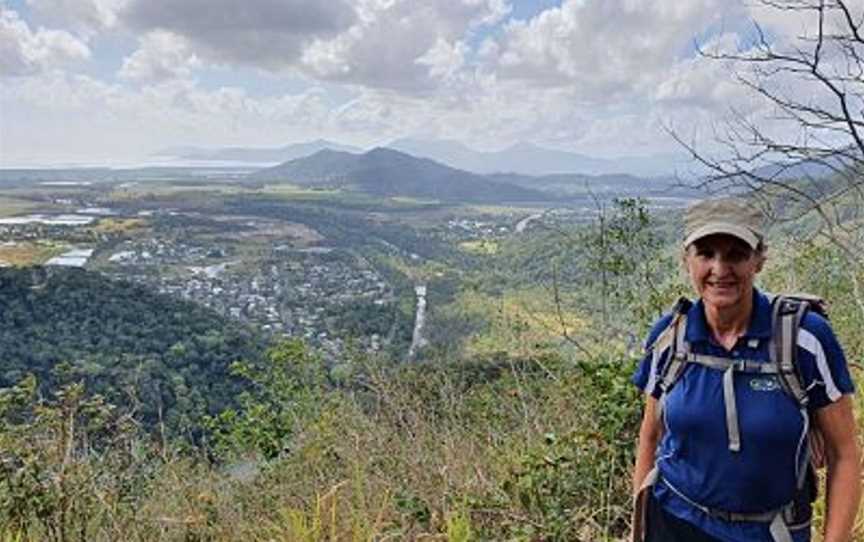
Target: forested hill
column 385, row 172
column 127, row 342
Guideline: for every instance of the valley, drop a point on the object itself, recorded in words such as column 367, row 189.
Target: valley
column 329, row 264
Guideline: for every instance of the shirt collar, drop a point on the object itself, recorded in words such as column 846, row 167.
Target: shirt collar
column 759, row 327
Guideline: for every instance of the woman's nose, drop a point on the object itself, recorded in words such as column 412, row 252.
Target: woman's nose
column 721, row 265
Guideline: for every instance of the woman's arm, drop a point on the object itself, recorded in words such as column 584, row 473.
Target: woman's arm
column 836, row 422
column 649, row 435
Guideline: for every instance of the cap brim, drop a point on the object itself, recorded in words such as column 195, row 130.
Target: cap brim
column 741, row 232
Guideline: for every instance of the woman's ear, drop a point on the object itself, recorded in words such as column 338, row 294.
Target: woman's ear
column 760, row 262
column 760, row 256
column 684, row 253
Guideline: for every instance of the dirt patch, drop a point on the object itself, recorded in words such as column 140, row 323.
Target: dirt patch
column 119, row 225
column 271, row 230
column 23, row 254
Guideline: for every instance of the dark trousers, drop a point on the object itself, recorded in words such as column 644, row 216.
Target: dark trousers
column 664, row 527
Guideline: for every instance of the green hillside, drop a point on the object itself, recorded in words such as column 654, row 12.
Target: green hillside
column 123, row 340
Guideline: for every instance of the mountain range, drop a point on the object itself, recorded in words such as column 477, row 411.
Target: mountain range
column 529, row 159
column 386, row 172
column 255, row 154
column 521, row 158
column 614, row 185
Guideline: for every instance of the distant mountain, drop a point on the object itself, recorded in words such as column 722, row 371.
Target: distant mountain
column 615, row 185
column 804, row 169
column 521, row 158
column 529, row 159
column 449, row 152
column 387, row 172
column 259, row 154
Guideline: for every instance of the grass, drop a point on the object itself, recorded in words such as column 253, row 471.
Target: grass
column 161, row 189
column 351, row 199
column 290, row 191
column 28, row 253
column 119, row 225
column 481, row 247
column 294, row 192
column 517, row 322
column 15, row 206
column 336, row 198
column 435, row 453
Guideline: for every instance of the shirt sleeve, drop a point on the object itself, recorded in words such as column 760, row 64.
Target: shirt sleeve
column 823, row 366
column 645, row 377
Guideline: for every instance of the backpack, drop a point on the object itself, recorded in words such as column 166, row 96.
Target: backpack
column 787, row 312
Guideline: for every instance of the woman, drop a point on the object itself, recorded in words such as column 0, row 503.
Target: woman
column 722, row 453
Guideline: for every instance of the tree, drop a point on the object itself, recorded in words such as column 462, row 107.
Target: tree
column 62, row 457
column 287, row 390
column 625, row 269
column 805, row 155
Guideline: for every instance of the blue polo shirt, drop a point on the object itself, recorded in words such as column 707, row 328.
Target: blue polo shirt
column 693, row 454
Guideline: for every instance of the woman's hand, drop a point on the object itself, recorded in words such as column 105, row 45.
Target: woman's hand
column 649, row 435
column 836, row 422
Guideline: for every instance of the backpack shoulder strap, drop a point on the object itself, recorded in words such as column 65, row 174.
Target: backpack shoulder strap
column 672, row 339
column 787, row 312
column 666, row 338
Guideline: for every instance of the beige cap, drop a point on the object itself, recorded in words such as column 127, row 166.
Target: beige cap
column 727, row 215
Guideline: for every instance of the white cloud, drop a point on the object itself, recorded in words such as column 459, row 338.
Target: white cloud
column 160, row 55
column 98, row 119
column 77, row 117
column 604, row 49
column 398, row 44
column 709, row 84
column 493, row 116
column 84, row 17
column 25, row 52
column 496, row 11
column 790, row 23
column 444, row 59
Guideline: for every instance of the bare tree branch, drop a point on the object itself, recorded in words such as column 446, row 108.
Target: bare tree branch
column 814, row 87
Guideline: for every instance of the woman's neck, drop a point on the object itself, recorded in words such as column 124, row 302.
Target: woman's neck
column 729, row 323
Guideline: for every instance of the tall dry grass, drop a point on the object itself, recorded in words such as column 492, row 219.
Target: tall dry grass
column 493, row 452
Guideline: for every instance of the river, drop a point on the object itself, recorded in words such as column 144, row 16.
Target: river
column 520, row 227
column 417, row 340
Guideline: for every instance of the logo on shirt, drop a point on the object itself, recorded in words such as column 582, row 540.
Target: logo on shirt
column 765, row 383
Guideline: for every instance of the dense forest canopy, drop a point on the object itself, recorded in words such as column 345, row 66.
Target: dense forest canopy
column 160, row 353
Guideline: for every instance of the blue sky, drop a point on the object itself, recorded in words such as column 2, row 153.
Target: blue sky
column 104, row 81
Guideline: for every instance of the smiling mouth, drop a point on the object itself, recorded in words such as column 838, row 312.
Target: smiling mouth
column 722, row 285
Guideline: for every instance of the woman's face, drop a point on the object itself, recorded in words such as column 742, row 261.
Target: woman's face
column 722, row 269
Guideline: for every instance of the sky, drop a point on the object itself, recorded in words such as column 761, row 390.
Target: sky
column 114, row 81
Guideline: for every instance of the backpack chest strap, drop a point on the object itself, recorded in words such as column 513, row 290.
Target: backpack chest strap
column 738, row 365
column 730, row 366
